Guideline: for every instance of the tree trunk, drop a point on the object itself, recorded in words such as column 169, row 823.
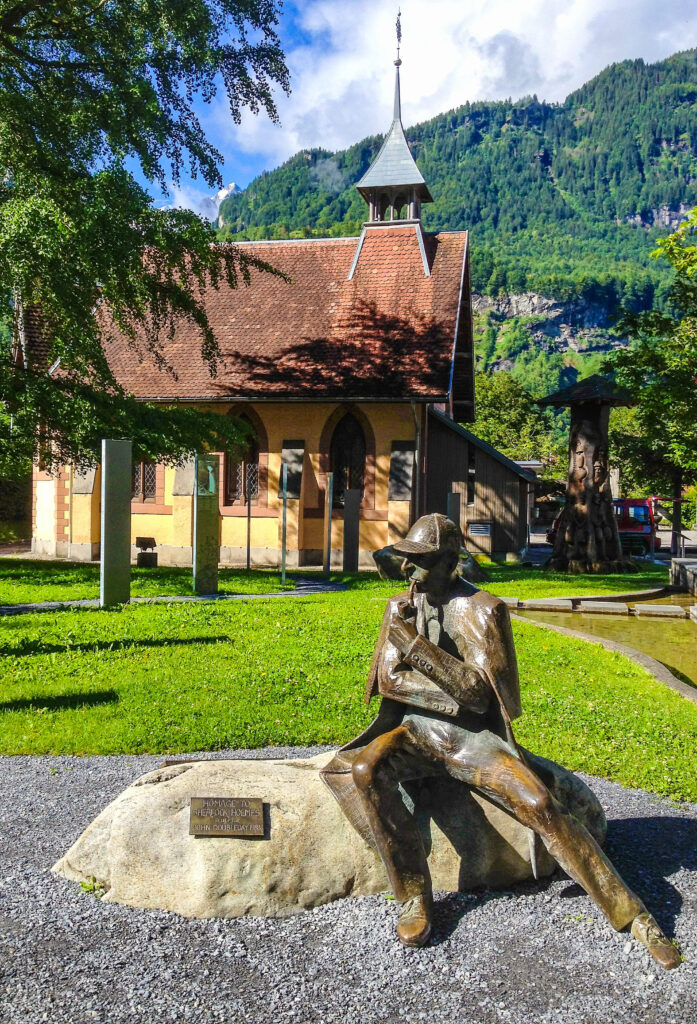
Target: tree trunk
column 677, row 513
column 587, row 539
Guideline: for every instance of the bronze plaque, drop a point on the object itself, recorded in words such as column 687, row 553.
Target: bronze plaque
column 226, row 816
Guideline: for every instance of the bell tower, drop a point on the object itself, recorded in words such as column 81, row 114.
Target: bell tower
column 393, row 186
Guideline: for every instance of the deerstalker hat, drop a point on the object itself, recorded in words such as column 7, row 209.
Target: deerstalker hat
column 431, row 533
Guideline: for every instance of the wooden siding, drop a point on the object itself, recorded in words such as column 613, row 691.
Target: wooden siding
column 499, row 493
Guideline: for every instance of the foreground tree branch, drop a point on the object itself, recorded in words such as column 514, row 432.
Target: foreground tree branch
column 85, row 87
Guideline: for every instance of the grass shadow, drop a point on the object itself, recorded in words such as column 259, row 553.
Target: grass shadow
column 61, row 702
column 31, row 646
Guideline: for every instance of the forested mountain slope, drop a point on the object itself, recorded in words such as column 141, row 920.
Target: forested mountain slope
column 562, row 200
column 558, row 197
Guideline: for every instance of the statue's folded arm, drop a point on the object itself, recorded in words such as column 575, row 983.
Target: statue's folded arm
column 429, row 678
column 467, row 686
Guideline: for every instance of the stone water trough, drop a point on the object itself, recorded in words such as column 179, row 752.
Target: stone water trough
column 140, row 852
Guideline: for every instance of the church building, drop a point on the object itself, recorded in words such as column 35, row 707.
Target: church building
column 358, row 363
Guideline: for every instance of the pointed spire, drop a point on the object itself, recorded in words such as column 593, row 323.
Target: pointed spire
column 398, row 64
column 393, row 182
column 397, row 98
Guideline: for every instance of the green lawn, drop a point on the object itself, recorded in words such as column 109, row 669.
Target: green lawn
column 28, row 581
column 25, row 580
column 516, row 581
column 176, row 678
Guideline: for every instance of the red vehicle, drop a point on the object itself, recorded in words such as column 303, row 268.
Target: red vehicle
column 635, row 522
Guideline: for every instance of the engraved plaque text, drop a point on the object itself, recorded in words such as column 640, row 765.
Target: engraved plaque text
column 226, row 816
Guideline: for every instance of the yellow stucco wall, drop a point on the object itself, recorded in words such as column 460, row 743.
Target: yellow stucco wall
column 159, row 527
column 285, row 421
column 263, row 532
column 45, row 510
column 282, row 421
column 85, row 523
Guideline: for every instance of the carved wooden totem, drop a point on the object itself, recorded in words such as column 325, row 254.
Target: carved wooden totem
column 587, row 539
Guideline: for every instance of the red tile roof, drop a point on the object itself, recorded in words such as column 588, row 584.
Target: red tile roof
column 388, row 332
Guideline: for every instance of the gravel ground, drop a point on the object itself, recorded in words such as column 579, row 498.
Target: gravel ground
column 541, row 953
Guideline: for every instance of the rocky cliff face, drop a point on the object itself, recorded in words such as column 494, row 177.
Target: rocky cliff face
column 663, row 217
column 554, row 326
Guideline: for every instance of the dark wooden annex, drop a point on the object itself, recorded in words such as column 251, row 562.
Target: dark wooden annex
column 496, row 494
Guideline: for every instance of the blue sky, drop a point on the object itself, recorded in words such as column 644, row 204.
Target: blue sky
column 340, row 57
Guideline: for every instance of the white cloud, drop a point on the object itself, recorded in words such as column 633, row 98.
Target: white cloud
column 343, row 75
column 185, row 197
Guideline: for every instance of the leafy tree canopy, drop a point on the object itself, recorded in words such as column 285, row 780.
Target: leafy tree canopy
column 657, row 440
column 510, row 420
column 86, row 88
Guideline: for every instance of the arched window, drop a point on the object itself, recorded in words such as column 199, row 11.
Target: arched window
column 347, row 457
column 242, row 475
column 400, row 208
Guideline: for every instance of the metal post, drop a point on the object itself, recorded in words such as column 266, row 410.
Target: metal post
column 417, row 464
column 195, row 530
column 249, row 528
column 284, row 479
column 352, row 507
column 329, row 499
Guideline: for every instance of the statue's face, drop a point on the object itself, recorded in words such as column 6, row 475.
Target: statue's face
column 599, row 466
column 430, row 571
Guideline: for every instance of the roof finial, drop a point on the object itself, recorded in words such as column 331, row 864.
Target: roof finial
column 397, row 64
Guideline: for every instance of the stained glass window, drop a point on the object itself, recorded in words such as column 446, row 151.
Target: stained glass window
column 144, row 482
column 347, row 457
column 242, row 475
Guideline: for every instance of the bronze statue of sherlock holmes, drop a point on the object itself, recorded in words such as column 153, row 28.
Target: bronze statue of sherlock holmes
column 445, row 666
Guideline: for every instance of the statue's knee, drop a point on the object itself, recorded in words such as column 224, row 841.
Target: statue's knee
column 362, row 773
column 541, row 804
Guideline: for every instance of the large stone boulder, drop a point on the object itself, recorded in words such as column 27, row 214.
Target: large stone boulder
column 140, row 852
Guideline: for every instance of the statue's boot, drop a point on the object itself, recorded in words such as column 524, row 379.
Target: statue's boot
column 647, row 931
column 414, row 926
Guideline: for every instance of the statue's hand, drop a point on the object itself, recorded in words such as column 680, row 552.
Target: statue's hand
column 402, row 634
column 405, row 609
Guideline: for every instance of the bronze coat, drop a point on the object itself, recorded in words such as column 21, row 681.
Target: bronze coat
column 482, row 620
